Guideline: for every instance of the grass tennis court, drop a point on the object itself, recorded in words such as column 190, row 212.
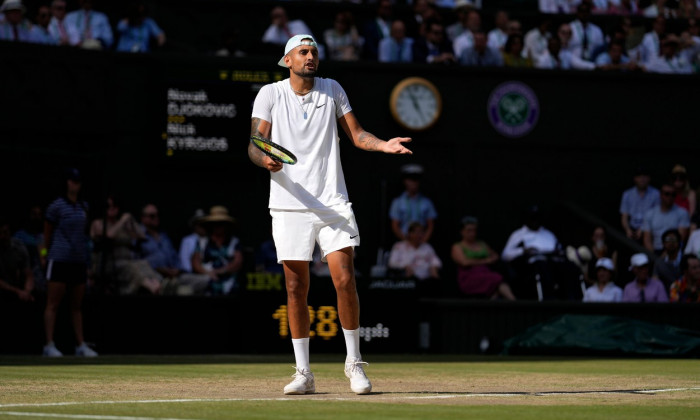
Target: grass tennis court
column 405, row 387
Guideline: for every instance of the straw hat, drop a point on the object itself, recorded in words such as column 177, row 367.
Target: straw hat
column 218, row 214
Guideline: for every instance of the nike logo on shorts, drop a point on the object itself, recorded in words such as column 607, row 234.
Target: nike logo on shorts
column 353, row 237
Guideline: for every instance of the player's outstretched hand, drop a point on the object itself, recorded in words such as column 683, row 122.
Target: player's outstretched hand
column 271, row 164
column 395, row 146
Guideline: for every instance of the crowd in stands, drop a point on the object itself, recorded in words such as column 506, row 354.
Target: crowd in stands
column 568, row 35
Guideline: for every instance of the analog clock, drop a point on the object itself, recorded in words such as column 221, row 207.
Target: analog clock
column 415, row 103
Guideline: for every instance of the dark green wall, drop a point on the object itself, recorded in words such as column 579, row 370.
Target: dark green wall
column 105, row 112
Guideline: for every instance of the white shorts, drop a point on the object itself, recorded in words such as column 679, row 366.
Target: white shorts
column 296, row 231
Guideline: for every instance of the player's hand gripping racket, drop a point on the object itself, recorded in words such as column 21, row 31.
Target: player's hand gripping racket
column 274, row 150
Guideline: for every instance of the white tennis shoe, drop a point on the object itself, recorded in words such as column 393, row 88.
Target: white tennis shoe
column 50, row 350
column 359, row 383
column 303, row 383
column 84, row 351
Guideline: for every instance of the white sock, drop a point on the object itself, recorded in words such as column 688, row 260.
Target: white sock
column 352, row 343
column 301, row 352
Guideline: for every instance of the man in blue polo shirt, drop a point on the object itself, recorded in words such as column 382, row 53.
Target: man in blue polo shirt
column 412, row 206
column 636, row 201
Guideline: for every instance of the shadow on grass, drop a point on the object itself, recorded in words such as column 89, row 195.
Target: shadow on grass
column 24, row 360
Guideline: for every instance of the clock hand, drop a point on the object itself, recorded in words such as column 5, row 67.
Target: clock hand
column 415, row 101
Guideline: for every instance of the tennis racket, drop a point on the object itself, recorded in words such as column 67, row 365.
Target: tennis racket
column 274, row 150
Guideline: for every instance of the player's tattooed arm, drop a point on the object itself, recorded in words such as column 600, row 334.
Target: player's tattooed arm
column 368, row 141
column 261, row 128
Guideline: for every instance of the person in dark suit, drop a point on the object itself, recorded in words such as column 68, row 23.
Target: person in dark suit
column 433, row 47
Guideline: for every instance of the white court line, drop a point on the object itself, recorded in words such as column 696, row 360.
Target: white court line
column 354, row 398
column 81, row 416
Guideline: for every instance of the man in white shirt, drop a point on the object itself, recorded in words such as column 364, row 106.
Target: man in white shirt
column 650, row 48
column 309, row 201
column 586, row 37
column 535, row 256
column 281, row 28
column 669, row 62
column 536, row 41
column 466, row 39
column 497, row 36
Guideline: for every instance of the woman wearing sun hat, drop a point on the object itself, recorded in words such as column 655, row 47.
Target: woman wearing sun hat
column 218, row 255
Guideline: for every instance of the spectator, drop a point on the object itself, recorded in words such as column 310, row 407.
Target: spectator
column 564, row 33
column 624, row 7
column 614, row 59
column 114, row 238
column 473, row 258
column 635, row 202
column 15, row 27
column 557, row 58
column 188, row 244
column 62, row 33
column 558, row 6
column 281, row 28
column 658, row 8
column 693, row 246
column 670, row 62
column 416, row 259
column 462, row 9
column 600, row 249
column 65, row 250
column 650, row 47
column 40, row 31
column 667, row 267
column 498, row 36
column 137, row 31
column 618, row 34
column 421, row 11
column 32, row 236
column 466, row 38
column 643, row 288
column 158, row 250
column 604, row 290
column 690, row 39
column 513, row 53
column 397, row 48
column 218, row 256
column 377, row 29
column 535, row 42
column 685, row 290
column 432, row 47
column 663, row 217
column 586, row 36
column 480, row 54
column 685, row 196
column 343, row 41
column 412, row 206
column 16, row 276
column 229, row 45
column 534, row 252
column 92, row 27
column 687, row 9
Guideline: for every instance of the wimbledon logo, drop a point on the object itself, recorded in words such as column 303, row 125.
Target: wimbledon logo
column 513, row 109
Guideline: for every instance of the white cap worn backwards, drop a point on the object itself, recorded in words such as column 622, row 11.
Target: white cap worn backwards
column 294, row 42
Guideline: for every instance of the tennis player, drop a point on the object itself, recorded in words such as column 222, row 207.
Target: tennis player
column 309, row 201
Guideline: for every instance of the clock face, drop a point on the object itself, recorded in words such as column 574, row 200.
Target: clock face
column 415, row 103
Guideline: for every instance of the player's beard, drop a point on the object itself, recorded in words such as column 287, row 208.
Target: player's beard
column 304, row 73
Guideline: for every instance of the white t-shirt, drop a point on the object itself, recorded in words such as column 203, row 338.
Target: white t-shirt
column 316, row 180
